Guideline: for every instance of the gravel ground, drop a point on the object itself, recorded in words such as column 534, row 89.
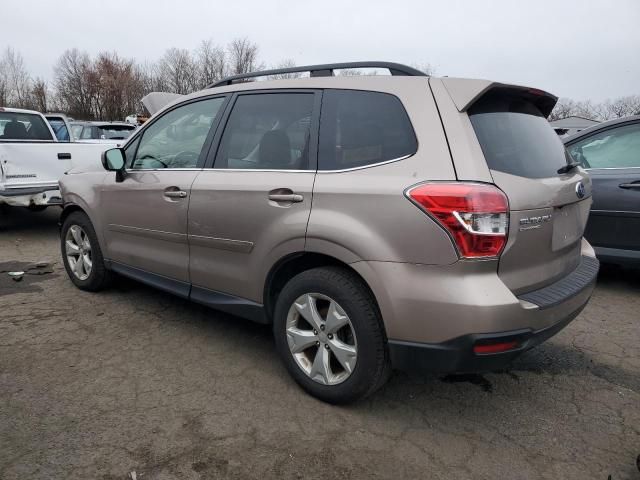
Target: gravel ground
column 95, row 386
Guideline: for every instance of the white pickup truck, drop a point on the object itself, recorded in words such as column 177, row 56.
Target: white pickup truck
column 32, row 160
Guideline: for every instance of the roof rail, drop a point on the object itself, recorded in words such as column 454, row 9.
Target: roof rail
column 325, row 70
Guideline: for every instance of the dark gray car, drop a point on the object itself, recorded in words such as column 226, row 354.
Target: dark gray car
column 610, row 152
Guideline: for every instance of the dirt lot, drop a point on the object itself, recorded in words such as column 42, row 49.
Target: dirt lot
column 94, row 386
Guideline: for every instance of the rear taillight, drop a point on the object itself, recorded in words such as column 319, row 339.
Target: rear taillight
column 474, row 214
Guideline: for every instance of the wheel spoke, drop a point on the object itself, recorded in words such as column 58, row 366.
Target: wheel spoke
column 78, row 266
column 309, row 311
column 87, row 262
column 320, row 370
column 336, row 318
column 75, row 231
column 346, row 354
column 71, row 248
column 300, row 340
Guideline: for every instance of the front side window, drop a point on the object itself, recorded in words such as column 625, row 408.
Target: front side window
column 269, row 131
column 614, row 148
column 176, row 139
column 360, row 128
column 23, row 126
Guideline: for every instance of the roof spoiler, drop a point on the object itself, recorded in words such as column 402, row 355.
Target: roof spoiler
column 156, row 101
column 465, row 92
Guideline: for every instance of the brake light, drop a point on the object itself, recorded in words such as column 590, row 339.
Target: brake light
column 475, row 215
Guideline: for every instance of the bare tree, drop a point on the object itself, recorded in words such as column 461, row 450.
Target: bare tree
column 72, row 83
column 39, row 95
column 425, row 67
column 178, row 71
column 243, row 56
column 212, row 63
column 15, row 82
column 621, row 107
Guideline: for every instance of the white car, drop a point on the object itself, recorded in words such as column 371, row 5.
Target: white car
column 32, row 160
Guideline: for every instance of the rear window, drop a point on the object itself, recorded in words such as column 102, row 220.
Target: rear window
column 115, row 132
column 360, row 128
column 516, row 138
column 23, row 126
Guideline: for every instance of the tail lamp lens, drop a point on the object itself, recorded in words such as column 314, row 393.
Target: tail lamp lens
column 475, row 215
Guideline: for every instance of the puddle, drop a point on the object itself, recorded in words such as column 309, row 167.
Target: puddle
column 32, row 273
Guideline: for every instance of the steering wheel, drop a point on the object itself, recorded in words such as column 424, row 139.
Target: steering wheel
column 151, row 157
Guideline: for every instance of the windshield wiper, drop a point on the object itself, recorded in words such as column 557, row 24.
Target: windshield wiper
column 568, row 167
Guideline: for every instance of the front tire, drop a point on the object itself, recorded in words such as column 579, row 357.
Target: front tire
column 329, row 334
column 81, row 253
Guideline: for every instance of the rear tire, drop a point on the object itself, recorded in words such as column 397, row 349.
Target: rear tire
column 81, row 253
column 345, row 330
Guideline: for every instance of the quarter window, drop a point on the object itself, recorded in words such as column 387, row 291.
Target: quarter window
column 360, row 128
column 613, row 148
column 269, row 131
column 175, row 140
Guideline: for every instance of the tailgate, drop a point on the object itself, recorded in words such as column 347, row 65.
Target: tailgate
column 548, row 208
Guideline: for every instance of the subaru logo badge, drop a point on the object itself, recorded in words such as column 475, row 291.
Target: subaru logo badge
column 580, row 191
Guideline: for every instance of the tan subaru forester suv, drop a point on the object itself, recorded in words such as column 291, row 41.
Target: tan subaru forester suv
column 377, row 222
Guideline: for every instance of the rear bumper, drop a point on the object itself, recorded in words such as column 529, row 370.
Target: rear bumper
column 434, row 315
column 457, row 355
column 618, row 256
column 23, row 197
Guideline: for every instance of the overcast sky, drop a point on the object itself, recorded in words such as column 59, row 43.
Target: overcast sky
column 572, row 48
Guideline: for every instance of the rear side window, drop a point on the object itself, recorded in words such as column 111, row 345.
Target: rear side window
column 614, row 148
column 516, row 138
column 360, row 128
column 60, row 129
column 269, row 131
column 23, row 126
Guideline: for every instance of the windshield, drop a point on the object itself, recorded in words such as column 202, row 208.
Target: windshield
column 516, row 138
column 23, row 126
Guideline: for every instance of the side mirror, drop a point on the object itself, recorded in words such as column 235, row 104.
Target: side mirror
column 113, row 160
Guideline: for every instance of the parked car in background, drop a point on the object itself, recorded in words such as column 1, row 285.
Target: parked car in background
column 105, row 131
column 61, row 125
column 610, row 152
column 76, row 129
column 32, row 159
column 403, row 221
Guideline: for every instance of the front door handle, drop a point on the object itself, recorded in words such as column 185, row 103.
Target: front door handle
column 630, row 185
column 64, row 156
column 175, row 194
column 286, row 197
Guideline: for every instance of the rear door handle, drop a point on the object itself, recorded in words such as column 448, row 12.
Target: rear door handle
column 286, row 197
column 175, row 194
column 630, row 185
column 64, row 156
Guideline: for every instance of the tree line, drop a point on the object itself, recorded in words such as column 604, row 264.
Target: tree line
column 108, row 86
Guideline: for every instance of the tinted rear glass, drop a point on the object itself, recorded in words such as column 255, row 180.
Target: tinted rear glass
column 516, row 138
column 360, row 128
column 23, row 126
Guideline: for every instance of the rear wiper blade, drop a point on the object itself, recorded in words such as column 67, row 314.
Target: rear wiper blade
column 568, row 167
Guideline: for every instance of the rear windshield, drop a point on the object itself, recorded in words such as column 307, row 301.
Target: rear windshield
column 115, row 132
column 516, row 138
column 23, row 126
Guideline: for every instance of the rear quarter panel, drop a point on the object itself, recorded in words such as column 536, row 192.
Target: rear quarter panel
column 363, row 214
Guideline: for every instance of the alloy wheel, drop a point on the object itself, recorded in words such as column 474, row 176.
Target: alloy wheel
column 78, row 251
column 321, row 338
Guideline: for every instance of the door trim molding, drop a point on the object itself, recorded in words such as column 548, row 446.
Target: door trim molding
column 241, row 246
column 148, row 233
